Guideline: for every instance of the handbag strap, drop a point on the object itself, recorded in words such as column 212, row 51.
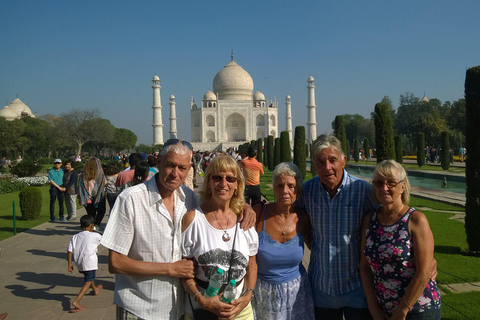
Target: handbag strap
column 233, row 247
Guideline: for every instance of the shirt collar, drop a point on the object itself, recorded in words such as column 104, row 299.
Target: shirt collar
column 154, row 194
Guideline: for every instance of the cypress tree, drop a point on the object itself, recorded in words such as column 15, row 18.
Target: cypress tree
column 265, row 151
column 421, row 149
column 398, row 149
column 445, row 160
column 356, row 155
column 366, row 148
column 285, row 152
column 347, row 154
column 270, row 150
column 260, row 150
column 299, row 157
column 276, row 153
column 383, row 133
column 472, row 172
column 341, row 135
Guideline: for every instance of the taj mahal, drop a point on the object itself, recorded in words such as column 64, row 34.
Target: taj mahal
column 232, row 113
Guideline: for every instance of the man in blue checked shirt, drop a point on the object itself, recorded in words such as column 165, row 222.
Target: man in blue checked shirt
column 336, row 203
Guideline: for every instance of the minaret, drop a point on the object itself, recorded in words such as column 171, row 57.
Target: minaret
column 173, row 118
column 288, row 118
column 311, row 117
column 157, row 112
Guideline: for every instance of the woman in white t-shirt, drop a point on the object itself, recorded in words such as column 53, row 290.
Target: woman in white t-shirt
column 210, row 233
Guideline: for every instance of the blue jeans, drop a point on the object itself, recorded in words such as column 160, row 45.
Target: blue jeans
column 351, row 305
column 430, row 315
column 54, row 194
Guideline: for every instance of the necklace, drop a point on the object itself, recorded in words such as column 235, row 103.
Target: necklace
column 225, row 236
column 281, row 227
column 392, row 218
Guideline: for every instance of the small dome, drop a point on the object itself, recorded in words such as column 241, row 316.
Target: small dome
column 8, row 113
column 233, row 83
column 209, row 96
column 311, row 79
column 258, row 96
column 156, row 77
column 288, row 97
column 172, row 97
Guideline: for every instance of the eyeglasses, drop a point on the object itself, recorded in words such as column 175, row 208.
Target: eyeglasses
column 171, row 142
column 218, row 178
column 390, row 184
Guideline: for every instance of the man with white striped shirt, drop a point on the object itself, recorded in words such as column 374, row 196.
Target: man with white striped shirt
column 144, row 237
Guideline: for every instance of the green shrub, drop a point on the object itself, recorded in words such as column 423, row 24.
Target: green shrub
column 366, row 148
column 285, row 151
column 25, row 169
column 270, row 157
column 260, row 150
column 45, row 160
column 356, row 150
column 276, row 152
column 30, row 203
column 299, row 157
column 383, row 133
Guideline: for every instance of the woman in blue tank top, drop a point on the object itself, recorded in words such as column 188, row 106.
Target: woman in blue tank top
column 283, row 290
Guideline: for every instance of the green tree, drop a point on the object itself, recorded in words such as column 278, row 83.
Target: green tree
column 276, row 152
column 445, row 160
column 123, row 139
column 76, row 127
column 270, row 150
column 366, row 148
column 260, row 150
column 421, row 149
column 36, row 132
column 104, row 138
column 299, row 157
column 356, row 150
column 398, row 149
column 383, row 133
column 285, row 152
column 472, row 171
column 340, row 133
column 265, row 151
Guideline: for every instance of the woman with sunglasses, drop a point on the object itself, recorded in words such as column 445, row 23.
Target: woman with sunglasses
column 283, row 291
column 397, row 252
column 213, row 238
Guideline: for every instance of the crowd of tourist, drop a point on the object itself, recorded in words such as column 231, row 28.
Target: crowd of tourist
column 371, row 254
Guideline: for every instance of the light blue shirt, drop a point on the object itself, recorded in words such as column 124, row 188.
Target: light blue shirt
column 334, row 262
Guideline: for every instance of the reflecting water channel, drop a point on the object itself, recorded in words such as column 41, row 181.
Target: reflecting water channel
column 421, row 179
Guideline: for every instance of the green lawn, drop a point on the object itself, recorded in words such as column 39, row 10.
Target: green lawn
column 464, row 305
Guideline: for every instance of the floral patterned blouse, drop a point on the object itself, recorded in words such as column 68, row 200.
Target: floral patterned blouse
column 389, row 251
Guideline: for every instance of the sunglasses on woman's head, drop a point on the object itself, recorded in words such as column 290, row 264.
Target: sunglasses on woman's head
column 171, row 142
column 218, row 178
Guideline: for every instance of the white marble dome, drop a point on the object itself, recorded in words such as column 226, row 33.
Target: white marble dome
column 8, row 113
column 16, row 110
column 156, row 77
column 258, row 96
column 311, row 79
column 209, row 95
column 233, row 83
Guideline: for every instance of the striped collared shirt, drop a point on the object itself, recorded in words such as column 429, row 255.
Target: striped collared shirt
column 334, row 261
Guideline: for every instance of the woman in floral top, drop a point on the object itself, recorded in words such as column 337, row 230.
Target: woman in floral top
column 397, row 252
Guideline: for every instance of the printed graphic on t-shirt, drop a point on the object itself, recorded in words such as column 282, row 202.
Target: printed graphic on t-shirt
column 211, row 260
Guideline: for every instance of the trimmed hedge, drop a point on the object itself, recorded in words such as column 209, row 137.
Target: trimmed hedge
column 30, row 203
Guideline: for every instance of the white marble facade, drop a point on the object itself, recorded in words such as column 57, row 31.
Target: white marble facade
column 232, row 114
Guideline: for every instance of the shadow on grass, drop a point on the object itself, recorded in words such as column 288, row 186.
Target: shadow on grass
column 448, row 250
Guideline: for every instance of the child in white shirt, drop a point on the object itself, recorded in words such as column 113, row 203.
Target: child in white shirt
column 83, row 248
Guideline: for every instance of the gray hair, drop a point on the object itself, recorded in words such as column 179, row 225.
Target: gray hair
column 178, row 148
column 289, row 169
column 325, row 141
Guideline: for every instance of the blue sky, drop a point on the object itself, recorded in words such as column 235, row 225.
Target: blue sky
column 61, row 55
